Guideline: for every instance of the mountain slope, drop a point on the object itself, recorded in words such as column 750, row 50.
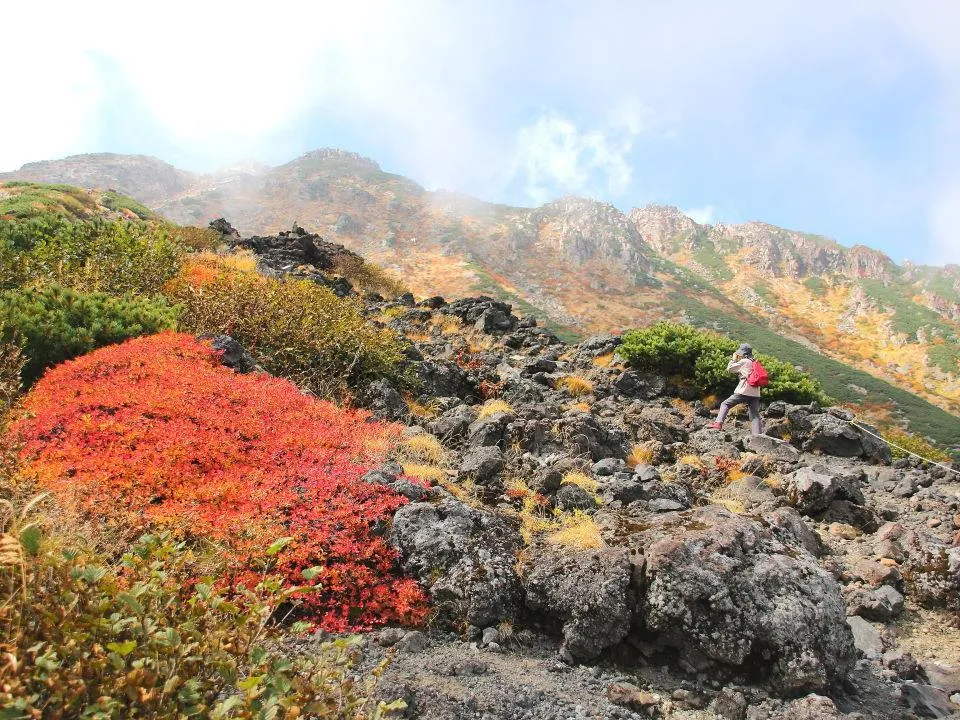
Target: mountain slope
column 589, row 268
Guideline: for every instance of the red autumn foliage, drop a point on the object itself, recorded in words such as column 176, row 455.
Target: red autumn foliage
column 155, row 433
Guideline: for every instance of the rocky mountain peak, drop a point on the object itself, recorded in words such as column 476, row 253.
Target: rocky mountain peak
column 586, row 229
column 660, row 224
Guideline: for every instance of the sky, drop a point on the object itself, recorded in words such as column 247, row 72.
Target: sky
column 840, row 118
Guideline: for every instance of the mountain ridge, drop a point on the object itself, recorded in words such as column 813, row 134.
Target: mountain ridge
column 587, row 265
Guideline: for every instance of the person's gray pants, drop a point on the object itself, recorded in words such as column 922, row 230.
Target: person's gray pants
column 753, row 404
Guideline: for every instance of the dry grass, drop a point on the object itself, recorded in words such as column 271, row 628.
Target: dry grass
column 432, row 474
column 480, row 342
column 391, row 313
column 693, row 460
column 774, row 482
column 577, row 530
column 603, row 361
column 580, row 479
column 575, row 385
column 492, row 407
column 579, row 406
column 639, row 455
column 466, row 492
column 419, row 336
column 239, row 260
column 731, row 504
column 447, row 324
column 711, row 401
column 424, row 411
column 423, row 447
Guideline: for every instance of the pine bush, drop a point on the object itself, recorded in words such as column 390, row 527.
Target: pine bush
column 699, row 359
column 53, row 323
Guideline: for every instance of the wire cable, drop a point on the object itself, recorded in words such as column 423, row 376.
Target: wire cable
column 903, row 449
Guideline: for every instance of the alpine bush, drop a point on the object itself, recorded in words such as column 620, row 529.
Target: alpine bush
column 296, row 329
column 700, row 360
column 155, row 434
column 53, row 323
column 117, row 257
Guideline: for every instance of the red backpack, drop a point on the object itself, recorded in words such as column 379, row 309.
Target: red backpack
column 758, row 376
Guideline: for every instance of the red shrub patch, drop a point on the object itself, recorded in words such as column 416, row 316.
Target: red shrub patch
column 156, row 433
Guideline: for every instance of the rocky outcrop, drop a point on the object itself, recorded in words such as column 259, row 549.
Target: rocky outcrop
column 720, row 586
column 464, row 558
column 586, row 593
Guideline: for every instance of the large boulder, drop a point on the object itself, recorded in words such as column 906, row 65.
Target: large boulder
column 772, row 447
column 484, row 313
column 481, row 465
column 464, row 558
column 656, row 423
column 587, row 435
column 585, row 593
column 834, row 435
column 645, row 386
column 723, row 586
column 812, row 490
column 452, row 427
column 444, row 378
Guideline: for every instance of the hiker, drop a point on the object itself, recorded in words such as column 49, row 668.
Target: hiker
column 742, row 364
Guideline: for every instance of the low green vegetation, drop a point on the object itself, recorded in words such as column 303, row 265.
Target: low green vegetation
column 116, row 201
column 701, row 359
column 908, row 316
column 815, row 285
column 87, row 635
column 708, row 256
column 296, row 329
column 115, row 257
column 52, row 323
column 23, row 200
column 838, row 379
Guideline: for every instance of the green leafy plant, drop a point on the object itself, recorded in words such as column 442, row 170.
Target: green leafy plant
column 700, row 359
column 53, row 323
column 87, row 637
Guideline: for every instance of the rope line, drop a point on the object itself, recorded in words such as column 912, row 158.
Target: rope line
column 903, row 449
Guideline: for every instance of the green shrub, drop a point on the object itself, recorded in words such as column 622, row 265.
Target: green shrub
column 148, row 637
column 913, row 443
column 700, row 359
column 53, row 323
column 295, row 328
column 117, row 202
column 115, row 257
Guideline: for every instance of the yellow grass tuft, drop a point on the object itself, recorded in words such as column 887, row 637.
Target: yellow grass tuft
column 736, row 474
column 577, row 530
column 425, row 411
column 423, row 447
column 711, row 401
column 575, row 385
column 694, row 460
column 575, row 477
column 419, row 336
column 773, row 482
column 394, row 312
column 640, row 454
column 478, row 342
column 734, row 506
column 604, row 360
column 467, row 491
column 447, row 324
column 239, row 261
column 580, row 406
column 432, row 474
column 492, row 407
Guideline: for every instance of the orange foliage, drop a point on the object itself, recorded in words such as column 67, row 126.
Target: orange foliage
column 155, row 433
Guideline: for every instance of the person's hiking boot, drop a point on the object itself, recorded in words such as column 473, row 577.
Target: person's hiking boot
column 715, row 426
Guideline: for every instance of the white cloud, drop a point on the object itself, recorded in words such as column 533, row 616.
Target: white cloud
column 945, row 226
column 703, row 215
column 555, row 157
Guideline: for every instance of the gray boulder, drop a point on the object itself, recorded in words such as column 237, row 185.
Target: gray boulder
column 490, row 431
column 721, row 586
column 482, row 465
column 645, row 386
column 836, row 436
column 574, row 497
column 452, row 426
column 382, row 399
column 790, row 529
column 464, row 558
column 928, row 701
column 656, row 423
column 771, row 447
column 586, row 593
column 865, row 637
column 232, row 354
column 811, row 491
column 585, row 434
column 880, row 604
column 444, row 378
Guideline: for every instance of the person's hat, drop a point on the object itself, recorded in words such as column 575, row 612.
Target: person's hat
column 745, row 349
